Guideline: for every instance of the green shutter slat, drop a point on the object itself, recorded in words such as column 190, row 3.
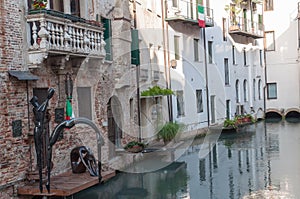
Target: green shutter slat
column 135, row 52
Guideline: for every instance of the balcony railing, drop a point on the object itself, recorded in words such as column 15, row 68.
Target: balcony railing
column 242, row 26
column 53, row 32
column 187, row 12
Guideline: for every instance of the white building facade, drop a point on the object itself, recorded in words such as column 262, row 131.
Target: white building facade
column 282, row 56
column 221, row 79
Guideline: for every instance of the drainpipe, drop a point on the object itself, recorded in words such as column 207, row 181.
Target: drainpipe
column 206, row 77
column 165, row 32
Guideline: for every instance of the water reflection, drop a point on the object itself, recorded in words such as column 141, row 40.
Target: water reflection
column 262, row 161
column 169, row 182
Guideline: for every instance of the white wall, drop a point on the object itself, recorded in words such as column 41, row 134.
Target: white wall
column 283, row 64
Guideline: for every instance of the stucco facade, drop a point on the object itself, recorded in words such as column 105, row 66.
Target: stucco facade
column 282, row 56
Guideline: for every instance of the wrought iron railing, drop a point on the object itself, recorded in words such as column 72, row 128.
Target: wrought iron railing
column 188, row 10
column 247, row 26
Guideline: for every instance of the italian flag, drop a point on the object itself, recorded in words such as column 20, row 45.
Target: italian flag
column 69, row 111
column 201, row 16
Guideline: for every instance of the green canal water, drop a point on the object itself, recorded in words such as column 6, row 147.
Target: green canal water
column 261, row 161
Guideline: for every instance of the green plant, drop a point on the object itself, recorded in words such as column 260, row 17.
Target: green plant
column 156, row 90
column 230, row 123
column 133, row 144
column 168, row 131
column 234, row 9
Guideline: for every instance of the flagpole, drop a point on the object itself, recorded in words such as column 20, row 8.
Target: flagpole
column 206, row 76
column 202, row 25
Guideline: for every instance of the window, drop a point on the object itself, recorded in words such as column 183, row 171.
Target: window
column 175, row 3
column 254, row 87
column 233, row 55
column 107, row 37
column 196, row 49
column 269, row 41
column 224, row 29
column 57, row 5
column 227, row 109
column 259, row 89
column 272, row 90
column 226, row 68
column 176, row 47
column 245, row 86
column 245, row 57
column 199, row 101
column 237, row 91
column 260, row 57
column 84, row 102
column 298, row 33
column 268, row 5
column 260, row 22
column 180, row 103
column 210, row 52
column 75, row 7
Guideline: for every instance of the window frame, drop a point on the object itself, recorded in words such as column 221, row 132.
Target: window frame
column 210, row 51
column 268, row 90
column 272, row 46
column 226, row 72
column 199, row 100
column 176, row 47
column 84, row 113
column 269, row 5
column 196, row 50
column 180, row 103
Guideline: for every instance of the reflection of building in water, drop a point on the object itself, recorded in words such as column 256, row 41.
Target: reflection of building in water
column 168, row 182
column 237, row 164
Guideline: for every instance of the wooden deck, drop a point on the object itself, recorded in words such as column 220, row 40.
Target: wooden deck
column 65, row 184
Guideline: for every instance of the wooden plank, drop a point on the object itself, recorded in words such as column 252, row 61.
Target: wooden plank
column 65, row 184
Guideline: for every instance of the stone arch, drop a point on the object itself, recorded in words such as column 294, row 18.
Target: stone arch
column 292, row 113
column 273, row 114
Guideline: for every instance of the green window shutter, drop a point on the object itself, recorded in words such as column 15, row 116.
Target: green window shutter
column 135, row 52
column 107, row 37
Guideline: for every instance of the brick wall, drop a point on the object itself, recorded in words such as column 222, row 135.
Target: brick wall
column 17, row 154
column 14, row 153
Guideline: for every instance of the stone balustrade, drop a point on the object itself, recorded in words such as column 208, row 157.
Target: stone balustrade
column 59, row 35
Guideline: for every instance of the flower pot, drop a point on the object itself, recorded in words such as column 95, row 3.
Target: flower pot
column 135, row 149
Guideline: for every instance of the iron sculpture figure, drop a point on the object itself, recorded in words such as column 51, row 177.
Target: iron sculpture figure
column 39, row 135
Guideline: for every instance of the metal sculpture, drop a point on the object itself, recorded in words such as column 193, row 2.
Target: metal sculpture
column 39, row 135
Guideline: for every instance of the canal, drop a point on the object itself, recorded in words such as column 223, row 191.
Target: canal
column 262, row 161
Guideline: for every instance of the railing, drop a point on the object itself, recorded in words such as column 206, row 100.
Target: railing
column 247, row 26
column 189, row 11
column 61, row 33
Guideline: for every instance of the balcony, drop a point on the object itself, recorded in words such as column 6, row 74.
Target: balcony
column 248, row 28
column 55, row 34
column 186, row 12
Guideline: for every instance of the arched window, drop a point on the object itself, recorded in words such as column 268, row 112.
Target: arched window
column 259, row 89
column 245, row 91
column 237, row 91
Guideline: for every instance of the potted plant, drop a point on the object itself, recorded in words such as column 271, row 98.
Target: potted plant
column 228, row 123
column 39, row 4
column 134, row 146
column 168, row 131
column 156, row 90
column 234, row 9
